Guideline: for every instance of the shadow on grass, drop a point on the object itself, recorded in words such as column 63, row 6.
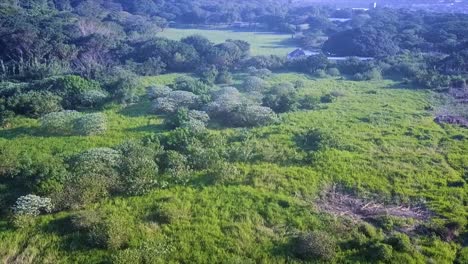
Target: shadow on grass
column 149, row 128
column 136, row 110
column 19, row 132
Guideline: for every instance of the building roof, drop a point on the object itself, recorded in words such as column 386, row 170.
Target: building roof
column 297, row 53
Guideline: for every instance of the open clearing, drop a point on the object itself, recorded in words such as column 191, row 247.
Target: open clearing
column 262, row 43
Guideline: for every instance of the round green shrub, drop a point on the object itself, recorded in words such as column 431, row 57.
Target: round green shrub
column 315, row 245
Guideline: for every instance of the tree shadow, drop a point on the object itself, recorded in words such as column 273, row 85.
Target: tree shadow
column 136, row 110
column 70, row 240
column 402, row 86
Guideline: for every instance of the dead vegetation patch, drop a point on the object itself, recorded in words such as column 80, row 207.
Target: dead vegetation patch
column 341, row 204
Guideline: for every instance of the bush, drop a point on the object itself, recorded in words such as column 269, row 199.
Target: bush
column 138, row 168
column 333, row 72
column 71, row 88
column 5, row 117
column 111, row 231
column 224, row 77
column 152, row 66
column 72, row 122
column 223, row 173
column 299, row 84
column 192, row 119
column 309, row 102
column 328, row 98
column 97, row 161
column 281, row 98
column 462, row 256
column 381, row 252
column 315, row 140
column 125, row 86
column 175, row 100
column 249, row 115
column 91, row 124
column 157, row 91
column 35, row 104
column 400, row 242
column 92, row 98
column 86, row 189
column 94, row 176
column 225, row 101
column 320, row 73
column 208, row 74
column 176, row 168
column 315, row 245
column 254, row 84
column 261, row 73
column 271, row 62
column 373, row 74
column 59, row 122
column 32, row 205
column 189, row 84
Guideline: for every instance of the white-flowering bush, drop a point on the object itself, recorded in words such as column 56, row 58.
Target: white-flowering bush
column 157, row 91
column 175, row 100
column 59, row 122
column 32, row 205
column 91, row 124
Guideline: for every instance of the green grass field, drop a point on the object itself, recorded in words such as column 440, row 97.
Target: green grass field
column 392, row 151
column 262, row 43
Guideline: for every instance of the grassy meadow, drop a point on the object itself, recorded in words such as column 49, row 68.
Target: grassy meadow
column 262, row 43
column 390, row 150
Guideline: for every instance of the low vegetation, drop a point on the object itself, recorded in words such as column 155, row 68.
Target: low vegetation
column 118, row 145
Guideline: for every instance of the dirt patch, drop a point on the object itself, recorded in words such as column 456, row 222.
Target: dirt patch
column 341, row 204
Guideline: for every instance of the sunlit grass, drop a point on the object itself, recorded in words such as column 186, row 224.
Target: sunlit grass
column 262, row 43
